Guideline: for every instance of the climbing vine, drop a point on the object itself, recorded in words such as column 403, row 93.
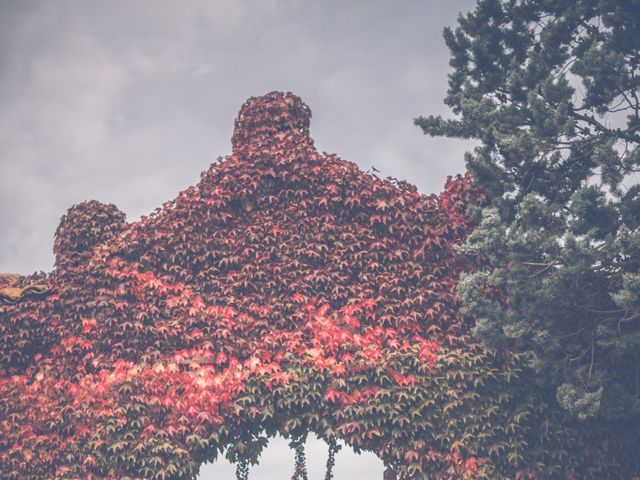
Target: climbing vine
column 331, row 458
column 242, row 470
column 286, row 293
column 300, row 468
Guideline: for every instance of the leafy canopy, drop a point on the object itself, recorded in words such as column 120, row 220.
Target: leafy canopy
column 550, row 89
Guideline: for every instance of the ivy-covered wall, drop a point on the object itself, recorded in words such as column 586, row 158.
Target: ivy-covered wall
column 287, row 292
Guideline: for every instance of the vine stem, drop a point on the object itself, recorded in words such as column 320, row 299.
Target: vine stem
column 300, row 472
column 242, row 470
column 331, row 460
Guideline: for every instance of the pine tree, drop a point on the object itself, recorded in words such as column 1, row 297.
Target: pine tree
column 550, row 89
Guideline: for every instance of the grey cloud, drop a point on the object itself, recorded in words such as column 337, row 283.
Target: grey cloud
column 127, row 102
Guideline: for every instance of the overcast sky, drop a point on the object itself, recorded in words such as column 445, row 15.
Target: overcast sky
column 128, row 101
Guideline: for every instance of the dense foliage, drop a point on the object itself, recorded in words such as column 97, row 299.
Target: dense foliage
column 551, row 90
column 287, row 292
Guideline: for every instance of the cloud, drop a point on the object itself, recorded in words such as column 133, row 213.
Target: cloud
column 127, row 102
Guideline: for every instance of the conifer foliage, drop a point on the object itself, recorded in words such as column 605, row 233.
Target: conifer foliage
column 286, row 293
column 551, row 90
